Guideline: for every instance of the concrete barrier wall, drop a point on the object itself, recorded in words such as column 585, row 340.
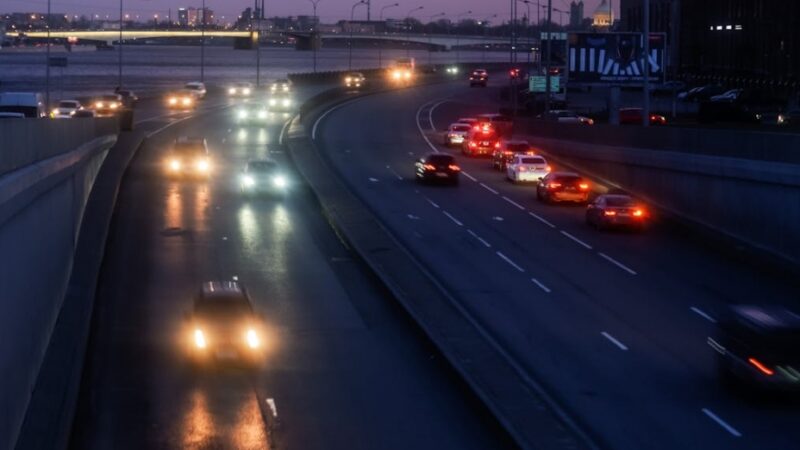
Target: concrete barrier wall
column 41, row 209
column 757, row 202
column 23, row 142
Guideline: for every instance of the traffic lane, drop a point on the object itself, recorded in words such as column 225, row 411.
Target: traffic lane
column 660, row 250
column 324, row 353
column 370, row 183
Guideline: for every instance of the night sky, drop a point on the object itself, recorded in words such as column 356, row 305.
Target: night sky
column 328, row 10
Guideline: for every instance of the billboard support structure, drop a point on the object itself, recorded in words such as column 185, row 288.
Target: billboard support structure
column 646, row 48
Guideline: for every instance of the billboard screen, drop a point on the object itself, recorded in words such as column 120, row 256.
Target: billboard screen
column 614, row 58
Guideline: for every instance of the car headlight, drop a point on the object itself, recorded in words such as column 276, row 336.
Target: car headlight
column 272, row 102
column 348, row 80
column 262, row 114
column 203, row 165
column 175, row 165
column 72, row 113
column 98, row 104
column 285, row 88
column 279, row 181
column 232, row 91
column 286, row 102
column 113, row 106
column 246, row 91
column 54, row 112
column 199, row 338
column 172, row 101
column 242, row 114
column 252, row 339
column 248, row 181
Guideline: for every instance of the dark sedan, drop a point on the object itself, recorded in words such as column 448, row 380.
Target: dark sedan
column 615, row 210
column 563, row 187
column 437, row 167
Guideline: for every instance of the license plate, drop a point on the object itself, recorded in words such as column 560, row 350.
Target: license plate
column 226, row 354
column 441, row 174
column 485, row 144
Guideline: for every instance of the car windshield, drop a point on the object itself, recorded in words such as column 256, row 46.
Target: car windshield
column 188, row 148
column 261, row 166
column 67, row 104
column 567, row 179
column 223, row 306
column 440, row 159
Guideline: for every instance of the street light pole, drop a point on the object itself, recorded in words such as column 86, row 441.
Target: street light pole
column 458, row 36
column 47, row 62
column 646, row 68
column 430, row 38
column 547, row 56
column 203, row 45
column 380, row 46
column 313, row 31
column 350, row 40
column 119, row 51
column 483, row 47
column 408, row 29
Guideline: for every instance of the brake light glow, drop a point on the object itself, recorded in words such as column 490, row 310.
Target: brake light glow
column 522, row 168
column 761, row 367
column 473, row 144
column 609, row 213
column 583, row 186
column 497, row 145
column 554, row 185
column 638, row 213
column 454, row 167
column 548, row 168
column 429, row 167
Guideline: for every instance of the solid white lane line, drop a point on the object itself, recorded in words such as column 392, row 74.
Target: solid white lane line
column 457, row 222
column 325, row 114
column 510, row 262
column 399, row 177
column 272, row 407
column 541, row 219
column 615, row 341
column 483, row 241
column 489, row 189
column 587, row 246
column 721, row 422
column 433, row 203
column 469, row 176
column 422, row 132
column 539, row 283
column 430, row 114
column 703, row 314
column 617, row 263
column 513, row 203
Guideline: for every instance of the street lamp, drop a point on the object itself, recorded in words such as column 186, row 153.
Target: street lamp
column 380, row 46
column 203, row 45
column 119, row 50
column 483, row 23
column 408, row 28
column 430, row 37
column 528, row 24
column 350, row 41
column 458, row 36
column 313, row 31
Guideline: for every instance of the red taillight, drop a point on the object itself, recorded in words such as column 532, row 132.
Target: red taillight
column 476, row 128
column 497, row 145
column 761, row 367
column 454, row 167
column 610, row 213
column 583, row 186
column 554, row 185
column 549, row 169
column 638, row 213
column 473, row 144
column 522, row 168
column 429, row 167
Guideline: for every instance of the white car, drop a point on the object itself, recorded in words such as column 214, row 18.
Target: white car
column 282, row 85
column 567, row 116
column 197, row 88
column 527, row 168
column 66, row 109
column 456, row 133
column 243, row 89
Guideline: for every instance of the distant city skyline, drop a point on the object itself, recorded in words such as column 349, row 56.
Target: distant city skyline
column 328, row 10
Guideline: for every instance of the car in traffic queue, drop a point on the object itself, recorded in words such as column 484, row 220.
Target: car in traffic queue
column 456, row 133
column 188, row 157
column 481, row 140
column 250, row 113
column 129, row 99
column 616, row 211
column 507, row 149
column 242, row 89
column 527, row 168
column 503, row 124
column 437, row 167
column 66, row 109
column 263, row 176
column 633, row 116
column 197, row 88
column 558, row 187
column 757, row 348
column 182, row 99
column 280, row 102
column 478, row 77
column 452, row 70
column 107, row 105
column 30, row 104
column 281, row 85
column 223, row 326
column 468, row 120
column 566, row 116
column 354, row 80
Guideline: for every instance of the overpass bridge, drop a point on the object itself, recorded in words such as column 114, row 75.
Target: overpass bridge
column 441, row 41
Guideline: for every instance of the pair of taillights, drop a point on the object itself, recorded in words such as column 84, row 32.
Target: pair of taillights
column 581, row 186
column 452, row 167
column 634, row 213
column 533, row 168
column 789, row 372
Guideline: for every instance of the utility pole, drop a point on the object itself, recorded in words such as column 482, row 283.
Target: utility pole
column 203, row 45
column 408, row 29
column 380, row 46
column 119, row 50
column 314, row 3
column 547, row 56
column 458, row 35
column 259, row 20
column 369, row 10
column 47, row 62
column 350, row 41
column 646, row 68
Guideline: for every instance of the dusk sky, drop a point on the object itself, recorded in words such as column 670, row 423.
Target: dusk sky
column 328, row 10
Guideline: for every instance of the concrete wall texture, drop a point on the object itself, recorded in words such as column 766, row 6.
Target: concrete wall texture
column 753, row 201
column 42, row 199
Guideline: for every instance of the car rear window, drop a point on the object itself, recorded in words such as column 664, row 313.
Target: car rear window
column 223, row 306
column 461, row 127
column 533, row 160
column 501, row 119
column 518, row 148
column 619, row 201
column 568, row 179
column 440, row 159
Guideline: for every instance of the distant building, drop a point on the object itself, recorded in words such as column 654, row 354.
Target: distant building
column 576, row 15
column 192, row 17
column 603, row 16
column 733, row 41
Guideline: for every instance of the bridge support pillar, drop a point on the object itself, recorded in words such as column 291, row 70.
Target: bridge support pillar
column 310, row 42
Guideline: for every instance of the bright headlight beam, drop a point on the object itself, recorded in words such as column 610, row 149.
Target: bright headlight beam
column 252, row 339
column 199, row 338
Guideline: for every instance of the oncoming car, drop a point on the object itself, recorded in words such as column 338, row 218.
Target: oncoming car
column 197, row 88
column 616, row 211
column 280, row 102
column 107, row 105
column 527, row 169
column 181, row 100
column 263, row 176
column 66, row 109
column 452, row 70
column 281, row 85
column 456, row 133
column 567, row 116
column 354, row 80
column 241, row 89
column 189, row 156
column 251, row 113
column 223, row 326
column 437, row 167
column 563, row 187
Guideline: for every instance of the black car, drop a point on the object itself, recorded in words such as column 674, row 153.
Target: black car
column 563, row 187
column 478, row 77
column 223, row 326
column 759, row 347
column 437, row 167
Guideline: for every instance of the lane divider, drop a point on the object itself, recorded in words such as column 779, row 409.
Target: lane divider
column 541, row 219
column 456, row 221
column 580, row 242
column 617, row 263
column 614, row 341
column 485, row 186
column 509, row 261
column 513, row 203
column 480, row 239
column 541, row 285
column 721, row 422
column 703, row 314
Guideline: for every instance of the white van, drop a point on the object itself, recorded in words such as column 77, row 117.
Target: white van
column 31, row 104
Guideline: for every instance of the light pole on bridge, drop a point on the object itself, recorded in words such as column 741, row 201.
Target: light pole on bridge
column 203, row 45
column 483, row 23
column 408, row 28
column 430, row 37
column 458, row 36
column 380, row 46
column 350, row 41
column 313, row 31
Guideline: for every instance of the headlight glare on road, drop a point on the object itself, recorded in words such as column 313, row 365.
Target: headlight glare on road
column 252, row 339
column 199, row 338
column 287, row 102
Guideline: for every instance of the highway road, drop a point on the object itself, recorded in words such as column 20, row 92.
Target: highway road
column 613, row 324
column 345, row 367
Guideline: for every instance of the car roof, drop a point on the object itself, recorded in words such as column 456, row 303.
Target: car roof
column 69, row 100
column 767, row 317
column 564, row 174
column 225, row 289
column 516, row 142
column 460, row 124
column 190, row 140
column 615, row 196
